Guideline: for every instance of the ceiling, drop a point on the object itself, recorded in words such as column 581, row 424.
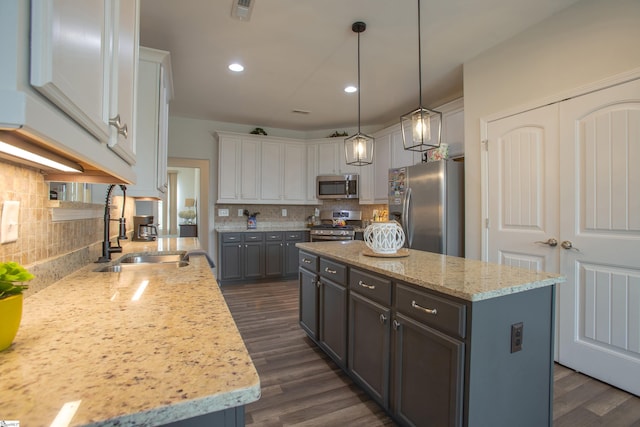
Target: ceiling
column 300, row 55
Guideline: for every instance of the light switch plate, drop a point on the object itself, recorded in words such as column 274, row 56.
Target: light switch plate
column 223, row 212
column 240, row 212
column 9, row 224
column 284, row 212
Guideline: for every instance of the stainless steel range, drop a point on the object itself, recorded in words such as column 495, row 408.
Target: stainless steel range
column 336, row 225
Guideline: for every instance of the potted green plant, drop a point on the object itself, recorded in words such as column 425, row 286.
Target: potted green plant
column 11, row 300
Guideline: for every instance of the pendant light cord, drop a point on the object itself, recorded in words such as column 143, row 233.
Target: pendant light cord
column 419, row 59
column 358, row 82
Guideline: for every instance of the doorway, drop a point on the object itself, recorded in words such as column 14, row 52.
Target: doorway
column 188, row 192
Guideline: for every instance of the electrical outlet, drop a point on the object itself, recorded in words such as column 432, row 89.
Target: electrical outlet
column 240, row 212
column 516, row 336
column 9, row 224
column 223, row 212
column 284, row 212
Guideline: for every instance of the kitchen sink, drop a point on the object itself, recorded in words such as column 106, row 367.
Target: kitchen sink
column 153, row 258
column 117, row 268
column 142, row 260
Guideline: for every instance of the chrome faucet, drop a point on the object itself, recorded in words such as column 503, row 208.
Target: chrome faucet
column 107, row 249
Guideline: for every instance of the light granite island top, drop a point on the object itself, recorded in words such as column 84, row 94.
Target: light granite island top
column 464, row 278
column 89, row 351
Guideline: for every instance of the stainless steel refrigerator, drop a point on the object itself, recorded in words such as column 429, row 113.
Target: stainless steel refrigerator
column 428, row 201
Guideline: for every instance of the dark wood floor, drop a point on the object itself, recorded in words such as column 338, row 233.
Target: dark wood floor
column 301, row 386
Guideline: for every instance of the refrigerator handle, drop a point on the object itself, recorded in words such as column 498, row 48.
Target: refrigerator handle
column 405, row 217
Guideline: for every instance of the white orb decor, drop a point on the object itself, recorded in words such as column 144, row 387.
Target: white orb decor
column 384, row 237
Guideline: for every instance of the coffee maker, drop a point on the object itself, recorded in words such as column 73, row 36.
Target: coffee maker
column 143, row 228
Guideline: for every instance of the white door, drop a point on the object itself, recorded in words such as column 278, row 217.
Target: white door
column 523, row 190
column 599, row 315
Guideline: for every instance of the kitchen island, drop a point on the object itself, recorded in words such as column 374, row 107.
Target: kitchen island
column 146, row 346
column 435, row 340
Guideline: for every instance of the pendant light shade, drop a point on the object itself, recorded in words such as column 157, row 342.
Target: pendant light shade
column 422, row 127
column 359, row 147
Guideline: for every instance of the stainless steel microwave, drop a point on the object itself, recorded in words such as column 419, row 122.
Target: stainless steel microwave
column 337, row 186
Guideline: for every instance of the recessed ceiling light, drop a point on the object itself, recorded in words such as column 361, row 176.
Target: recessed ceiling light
column 350, row 89
column 236, row 67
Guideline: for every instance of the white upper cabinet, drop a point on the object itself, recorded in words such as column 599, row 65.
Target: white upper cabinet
column 71, row 59
column 228, row 168
column 272, row 160
column 294, row 186
column 332, row 159
column 154, row 92
column 83, row 59
column 124, row 66
column 57, row 79
column 261, row 170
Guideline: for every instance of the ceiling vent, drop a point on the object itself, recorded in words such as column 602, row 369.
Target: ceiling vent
column 241, row 9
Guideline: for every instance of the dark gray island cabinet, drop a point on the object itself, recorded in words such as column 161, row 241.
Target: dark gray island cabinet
column 435, row 340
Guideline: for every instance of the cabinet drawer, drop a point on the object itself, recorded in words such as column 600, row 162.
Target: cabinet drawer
column 373, row 287
column 447, row 315
column 308, row 261
column 334, row 271
column 273, row 236
column 294, row 236
column 231, row 237
column 254, row 237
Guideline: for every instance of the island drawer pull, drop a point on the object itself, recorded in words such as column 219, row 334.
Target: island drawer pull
column 426, row 310
column 364, row 285
column 328, row 270
column 383, row 319
column 306, row 261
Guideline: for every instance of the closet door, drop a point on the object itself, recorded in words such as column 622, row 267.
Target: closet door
column 599, row 306
column 522, row 155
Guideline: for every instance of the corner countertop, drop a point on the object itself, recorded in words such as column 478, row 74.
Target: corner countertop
column 464, row 278
column 266, row 227
column 84, row 341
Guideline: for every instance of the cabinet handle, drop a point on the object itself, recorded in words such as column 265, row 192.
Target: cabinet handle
column 306, row 261
column 328, row 270
column 231, row 238
column 122, row 128
column 396, row 324
column 239, row 246
column 364, row 285
column 426, row 310
column 383, row 319
column 318, row 283
column 280, row 244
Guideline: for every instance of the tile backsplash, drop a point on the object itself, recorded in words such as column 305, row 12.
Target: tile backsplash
column 49, row 249
column 295, row 213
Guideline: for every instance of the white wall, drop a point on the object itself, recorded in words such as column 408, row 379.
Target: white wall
column 585, row 43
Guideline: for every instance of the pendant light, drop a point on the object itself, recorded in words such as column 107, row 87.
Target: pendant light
column 421, row 128
column 359, row 147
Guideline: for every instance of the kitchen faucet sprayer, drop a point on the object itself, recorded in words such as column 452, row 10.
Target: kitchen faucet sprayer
column 107, row 249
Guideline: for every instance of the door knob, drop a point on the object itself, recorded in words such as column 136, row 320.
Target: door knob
column 566, row 244
column 550, row 241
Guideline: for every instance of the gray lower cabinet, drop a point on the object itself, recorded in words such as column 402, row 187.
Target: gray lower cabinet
column 274, row 254
column 258, row 255
column 332, row 310
column 308, row 291
column 370, row 333
column 428, row 375
column 291, row 251
column 430, row 359
column 230, row 266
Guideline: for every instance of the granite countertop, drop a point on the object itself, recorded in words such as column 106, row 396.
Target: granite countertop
column 173, row 354
column 464, row 278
